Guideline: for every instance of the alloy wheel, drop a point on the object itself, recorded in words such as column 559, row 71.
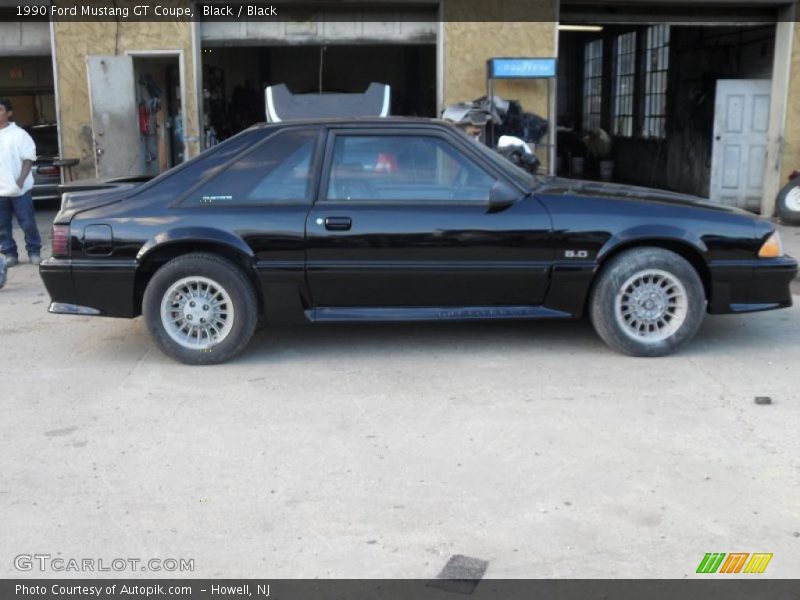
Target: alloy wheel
column 197, row 313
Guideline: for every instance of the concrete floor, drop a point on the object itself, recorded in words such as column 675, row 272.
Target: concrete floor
column 380, row 451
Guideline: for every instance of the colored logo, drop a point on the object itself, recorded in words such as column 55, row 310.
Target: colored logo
column 735, row 562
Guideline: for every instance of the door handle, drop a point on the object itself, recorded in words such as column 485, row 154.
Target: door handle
column 338, row 223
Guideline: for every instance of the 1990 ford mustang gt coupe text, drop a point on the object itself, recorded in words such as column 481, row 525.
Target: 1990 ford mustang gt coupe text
column 399, row 220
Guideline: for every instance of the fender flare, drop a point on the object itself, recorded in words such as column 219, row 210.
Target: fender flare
column 195, row 235
column 642, row 234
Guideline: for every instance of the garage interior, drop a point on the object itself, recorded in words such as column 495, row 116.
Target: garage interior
column 158, row 97
column 652, row 87
column 675, row 153
column 26, row 70
column 28, row 82
column 337, row 48
column 234, row 78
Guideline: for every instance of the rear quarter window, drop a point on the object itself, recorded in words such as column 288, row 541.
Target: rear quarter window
column 171, row 184
column 277, row 171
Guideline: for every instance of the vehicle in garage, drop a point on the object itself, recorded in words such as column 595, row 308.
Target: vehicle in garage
column 788, row 201
column 399, row 220
column 46, row 172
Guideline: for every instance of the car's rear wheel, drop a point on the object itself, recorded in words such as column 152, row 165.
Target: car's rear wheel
column 647, row 302
column 200, row 309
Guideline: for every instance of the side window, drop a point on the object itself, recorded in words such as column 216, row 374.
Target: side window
column 404, row 167
column 279, row 170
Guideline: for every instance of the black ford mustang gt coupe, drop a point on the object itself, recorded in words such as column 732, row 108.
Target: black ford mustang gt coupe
column 399, row 220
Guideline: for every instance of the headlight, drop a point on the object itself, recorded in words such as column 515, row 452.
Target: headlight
column 773, row 247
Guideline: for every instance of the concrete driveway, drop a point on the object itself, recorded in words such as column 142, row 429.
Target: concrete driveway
column 380, row 451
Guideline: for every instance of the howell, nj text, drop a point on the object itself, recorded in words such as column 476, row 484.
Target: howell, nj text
column 244, row 590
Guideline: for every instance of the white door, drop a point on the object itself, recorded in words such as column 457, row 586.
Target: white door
column 739, row 154
column 115, row 122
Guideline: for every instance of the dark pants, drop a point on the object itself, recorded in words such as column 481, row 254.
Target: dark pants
column 22, row 207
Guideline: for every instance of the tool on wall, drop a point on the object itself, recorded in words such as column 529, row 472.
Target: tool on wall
column 144, row 119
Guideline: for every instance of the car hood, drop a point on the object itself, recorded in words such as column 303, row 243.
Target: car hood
column 562, row 185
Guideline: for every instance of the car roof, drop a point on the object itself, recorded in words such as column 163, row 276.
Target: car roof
column 359, row 121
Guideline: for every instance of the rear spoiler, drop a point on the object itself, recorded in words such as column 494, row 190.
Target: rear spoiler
column 92, row 185
column 283, row 105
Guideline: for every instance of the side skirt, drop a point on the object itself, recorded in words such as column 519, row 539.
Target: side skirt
column 446, row 313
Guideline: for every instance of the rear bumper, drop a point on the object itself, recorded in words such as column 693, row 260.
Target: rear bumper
column 750, row 286
column 90, row 287
column 46, row 191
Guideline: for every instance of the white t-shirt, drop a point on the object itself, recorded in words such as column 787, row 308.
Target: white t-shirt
column 15, row 146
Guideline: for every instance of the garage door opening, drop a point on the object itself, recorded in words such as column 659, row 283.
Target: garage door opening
column 26, row 76
column 28, row 82
column 234, row 78
column 685, row 108
column 158, row 99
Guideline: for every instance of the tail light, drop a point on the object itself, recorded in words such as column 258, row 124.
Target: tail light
column 60, row 241
column 794, row 175
column 48, row 170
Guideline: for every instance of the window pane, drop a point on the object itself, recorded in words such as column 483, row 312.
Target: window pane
column 276, row 171
column 624, row 72
column 656, row 67
column 404, row 168
column 592, row 84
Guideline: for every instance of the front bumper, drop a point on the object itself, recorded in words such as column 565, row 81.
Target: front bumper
column 750, row 286
column 91, row 287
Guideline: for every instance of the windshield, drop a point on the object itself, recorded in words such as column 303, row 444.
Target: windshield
column 516, row 173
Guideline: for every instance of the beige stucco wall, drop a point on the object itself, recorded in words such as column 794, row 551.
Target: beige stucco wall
column 475, row 30
column 76, row 40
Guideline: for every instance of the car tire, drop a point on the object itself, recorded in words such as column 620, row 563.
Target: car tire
column 788, row 203
column 200, row 309
column 647, row 302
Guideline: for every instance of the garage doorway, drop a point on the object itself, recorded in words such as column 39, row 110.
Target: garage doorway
column 653, row 89
column 160, row 108
column 28, row 82
column 26, row 76
column 336, row 47
column 234, row 78
column 137, row 114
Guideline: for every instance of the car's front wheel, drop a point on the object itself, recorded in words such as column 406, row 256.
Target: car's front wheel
column 647, row 302
column 200, row 309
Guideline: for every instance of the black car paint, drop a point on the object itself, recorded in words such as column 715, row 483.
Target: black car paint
column 535, row 257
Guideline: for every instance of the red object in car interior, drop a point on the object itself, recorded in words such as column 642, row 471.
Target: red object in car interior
column 60, row 241
column 48, row 170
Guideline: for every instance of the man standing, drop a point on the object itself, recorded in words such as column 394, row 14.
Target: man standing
column 17, row 153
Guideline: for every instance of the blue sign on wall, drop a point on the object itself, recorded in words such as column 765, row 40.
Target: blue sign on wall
column 522, row 68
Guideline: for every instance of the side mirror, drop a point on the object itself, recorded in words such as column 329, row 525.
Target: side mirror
column 501, row 196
